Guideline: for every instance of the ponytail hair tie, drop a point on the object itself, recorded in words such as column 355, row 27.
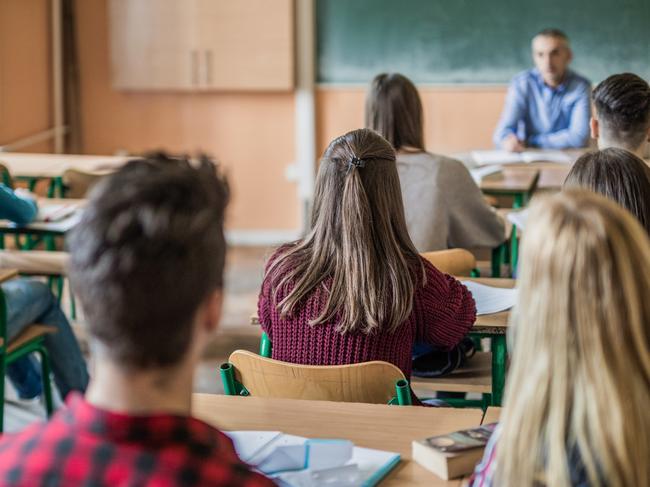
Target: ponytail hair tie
column 356, row 162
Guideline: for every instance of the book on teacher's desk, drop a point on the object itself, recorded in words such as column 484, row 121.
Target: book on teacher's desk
column 455, row 454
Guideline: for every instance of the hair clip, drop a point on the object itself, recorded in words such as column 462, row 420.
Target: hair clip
column 356, row 162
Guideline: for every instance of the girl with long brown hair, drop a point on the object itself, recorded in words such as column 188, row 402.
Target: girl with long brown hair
column 355, row 288
column 443, row 205
column 576, row 403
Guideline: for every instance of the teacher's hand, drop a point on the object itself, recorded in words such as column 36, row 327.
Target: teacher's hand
column 513, row 144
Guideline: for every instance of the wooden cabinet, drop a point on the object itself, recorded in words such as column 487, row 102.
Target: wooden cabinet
column 202, row 44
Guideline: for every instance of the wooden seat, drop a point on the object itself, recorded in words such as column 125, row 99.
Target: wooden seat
column 77, row 182
column 457, row 262
column 475, row 376
column 368, row 382
column 35, row 262
column 30, row 333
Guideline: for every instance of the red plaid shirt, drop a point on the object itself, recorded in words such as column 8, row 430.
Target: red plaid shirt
column 84, row 445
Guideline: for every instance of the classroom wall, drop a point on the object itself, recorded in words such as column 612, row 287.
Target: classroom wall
column 25, row 94
column 455, row 119
column 251, row 133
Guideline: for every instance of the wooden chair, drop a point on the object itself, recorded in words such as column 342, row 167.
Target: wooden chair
column 28, row 341
column 457, row 262
column 77, row 183
column 374, row 382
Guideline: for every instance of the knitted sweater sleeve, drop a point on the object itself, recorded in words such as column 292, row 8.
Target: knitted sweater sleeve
column 265, row 306
column 445, row 310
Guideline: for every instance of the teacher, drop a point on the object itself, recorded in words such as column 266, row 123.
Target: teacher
column 546, row 106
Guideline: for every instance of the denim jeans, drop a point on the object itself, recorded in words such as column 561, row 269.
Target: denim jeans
column 29, row 301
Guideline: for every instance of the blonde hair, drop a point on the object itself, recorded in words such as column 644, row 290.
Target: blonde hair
column 579, row 384
column 359, row 240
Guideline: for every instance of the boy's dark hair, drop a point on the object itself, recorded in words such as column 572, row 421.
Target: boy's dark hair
column 617, row 174
column 622, row 104
column 148, row 251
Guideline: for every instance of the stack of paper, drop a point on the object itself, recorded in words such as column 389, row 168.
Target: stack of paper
column 487, row 157
column 490, row 299
column 296, row 461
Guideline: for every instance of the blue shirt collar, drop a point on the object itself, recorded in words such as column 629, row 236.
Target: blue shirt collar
column 562, row 86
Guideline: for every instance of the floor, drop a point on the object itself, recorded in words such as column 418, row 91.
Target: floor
column 244, row 270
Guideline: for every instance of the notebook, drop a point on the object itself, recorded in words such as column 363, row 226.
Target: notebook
column 486, row 157
column 295, row 461
column 491, row 299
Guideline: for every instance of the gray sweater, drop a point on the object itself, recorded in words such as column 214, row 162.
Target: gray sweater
column 444, row 207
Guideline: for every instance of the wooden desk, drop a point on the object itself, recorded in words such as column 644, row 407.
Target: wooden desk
column 519, row 182
column 368, row 425
column 25, row 165
column 492, row 415
column 56, row 228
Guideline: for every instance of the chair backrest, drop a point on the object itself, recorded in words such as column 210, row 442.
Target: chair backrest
column 457, row 262
column 369, row 382
column 77, row 182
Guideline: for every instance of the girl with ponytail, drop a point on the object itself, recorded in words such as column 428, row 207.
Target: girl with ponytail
column 355, row 289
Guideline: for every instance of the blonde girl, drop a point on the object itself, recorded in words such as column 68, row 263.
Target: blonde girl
column 576, row 407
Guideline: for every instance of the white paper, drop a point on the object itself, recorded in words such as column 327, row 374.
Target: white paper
column 331, row 462
column 487, row 157
column 249, row 443
column 491, row 299
column 519, row 218
column 55, row 213
column 501, row 157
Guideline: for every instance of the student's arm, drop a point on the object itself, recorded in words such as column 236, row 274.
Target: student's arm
column 576, row 134
column 472, row 223
column 264, row 306
column 513, row 112
column 15, row 208
column 445, row 310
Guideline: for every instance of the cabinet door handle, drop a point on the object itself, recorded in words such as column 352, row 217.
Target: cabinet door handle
column 208, row 67
column 195, row 67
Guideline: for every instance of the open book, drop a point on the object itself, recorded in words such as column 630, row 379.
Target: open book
column 487, row 157
column 297, row 461
column 491, row 299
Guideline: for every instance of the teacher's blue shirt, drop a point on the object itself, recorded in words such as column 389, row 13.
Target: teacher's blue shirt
column 545, row 117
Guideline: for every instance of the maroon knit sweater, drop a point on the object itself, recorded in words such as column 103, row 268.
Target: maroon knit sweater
column 443, row 313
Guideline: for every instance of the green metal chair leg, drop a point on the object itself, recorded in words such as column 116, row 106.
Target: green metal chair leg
column 47, row 384
column 499, row 362
column 265, row 345
column 497, row 260
column 514, row 251
column 403, row 392
column 228, row 379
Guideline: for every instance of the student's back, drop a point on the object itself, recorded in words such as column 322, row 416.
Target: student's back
column 576, row 405
column 355, row 289
column 444, row 207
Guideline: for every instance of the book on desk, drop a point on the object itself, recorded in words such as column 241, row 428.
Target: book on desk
column 455, row 454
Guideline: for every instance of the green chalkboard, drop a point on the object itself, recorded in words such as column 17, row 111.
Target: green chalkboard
column 475, row 41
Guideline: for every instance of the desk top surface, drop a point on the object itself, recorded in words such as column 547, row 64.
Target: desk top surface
column 492, row 415
column 511, row 180
column 391, row 428
column 53, row 165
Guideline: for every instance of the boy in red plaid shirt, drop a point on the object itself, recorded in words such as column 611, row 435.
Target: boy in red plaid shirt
column 147, row 266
